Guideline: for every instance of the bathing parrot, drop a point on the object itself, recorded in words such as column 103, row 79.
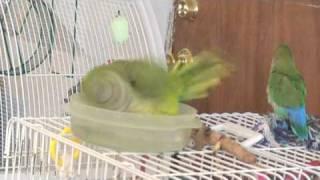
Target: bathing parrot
column 145, row 87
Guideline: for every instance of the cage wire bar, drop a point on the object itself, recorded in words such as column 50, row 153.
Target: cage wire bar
column 31, row 144
column 28, row 155
column 46, row 46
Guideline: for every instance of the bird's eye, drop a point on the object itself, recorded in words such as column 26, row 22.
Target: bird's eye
column 133, row 82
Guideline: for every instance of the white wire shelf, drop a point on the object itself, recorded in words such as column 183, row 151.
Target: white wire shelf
column 27, row 154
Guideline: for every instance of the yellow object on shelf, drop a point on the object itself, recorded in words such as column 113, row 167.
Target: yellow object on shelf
column 66, row 132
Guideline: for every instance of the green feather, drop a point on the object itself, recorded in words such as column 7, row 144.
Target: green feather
column 145, row 87
column 206, row 72
column 132, row 85
column 198, row 89
column 286, row 87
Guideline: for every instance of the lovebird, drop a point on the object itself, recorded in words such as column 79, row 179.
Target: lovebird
column 287, row 92
column 143, row 86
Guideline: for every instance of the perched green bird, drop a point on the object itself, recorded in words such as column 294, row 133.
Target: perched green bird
column 287, row 92
column 145, row 87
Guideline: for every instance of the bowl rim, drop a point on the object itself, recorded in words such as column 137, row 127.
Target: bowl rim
column 160, row 122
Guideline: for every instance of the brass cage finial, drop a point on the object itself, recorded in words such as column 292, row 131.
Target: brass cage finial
column 187, row 9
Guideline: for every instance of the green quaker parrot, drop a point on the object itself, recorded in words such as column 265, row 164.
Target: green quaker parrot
column 287, row 92
column 145, row 87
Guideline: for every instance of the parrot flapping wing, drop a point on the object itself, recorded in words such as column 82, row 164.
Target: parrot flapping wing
column 287, row 92
column 145, row 87
column 206, row 72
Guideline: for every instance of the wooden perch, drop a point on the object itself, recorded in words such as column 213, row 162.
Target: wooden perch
column 205, row 136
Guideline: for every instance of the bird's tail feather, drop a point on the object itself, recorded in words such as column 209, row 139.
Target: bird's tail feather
column 206, row 72
column 298, row 120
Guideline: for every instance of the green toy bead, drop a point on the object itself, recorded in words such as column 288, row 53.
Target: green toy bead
column 120, row 29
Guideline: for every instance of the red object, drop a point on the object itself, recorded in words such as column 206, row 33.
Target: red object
column 291, row 178
column 311, row 163
column 259, row 177
column 314, row 163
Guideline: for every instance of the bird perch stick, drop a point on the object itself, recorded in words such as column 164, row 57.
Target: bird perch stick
column 205, row 136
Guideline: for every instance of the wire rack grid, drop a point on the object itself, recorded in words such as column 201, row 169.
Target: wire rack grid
column 31, row 146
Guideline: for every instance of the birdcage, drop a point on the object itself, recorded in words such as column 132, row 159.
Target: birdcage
column 47, row 46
